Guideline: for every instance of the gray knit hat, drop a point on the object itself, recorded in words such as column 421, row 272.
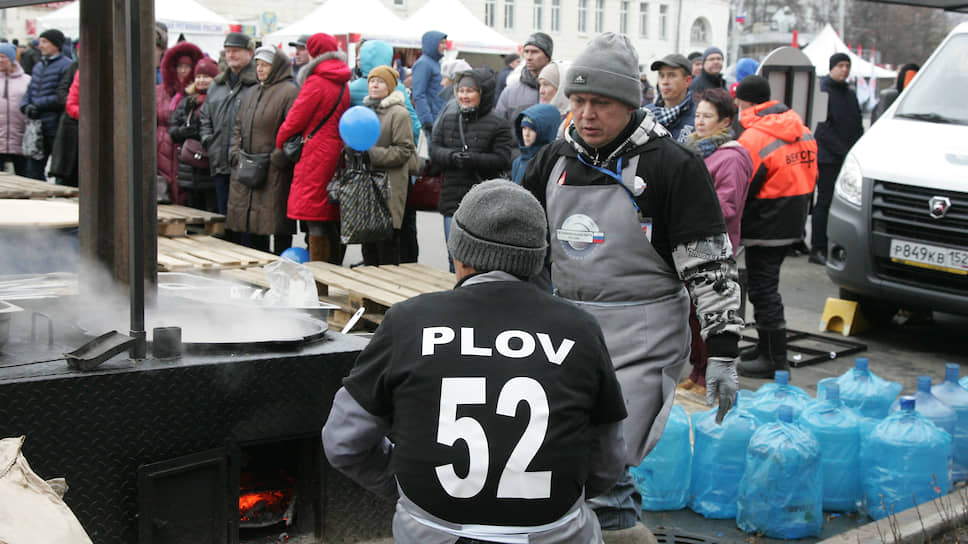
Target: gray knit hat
column 499, row 226
column 266, row 53
column 608, row 66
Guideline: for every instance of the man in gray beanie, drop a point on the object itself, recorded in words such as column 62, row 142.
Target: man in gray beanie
column 635, row 229
column 522, row 93
column 711, row 76
column 482, row 350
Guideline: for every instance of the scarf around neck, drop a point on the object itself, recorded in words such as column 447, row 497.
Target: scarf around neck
column 668, row 117
column 707, row 146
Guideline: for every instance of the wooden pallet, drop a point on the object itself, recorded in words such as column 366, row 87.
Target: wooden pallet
column 173, row 220
column 13, row 186
column 375, row 288
column 199, row 252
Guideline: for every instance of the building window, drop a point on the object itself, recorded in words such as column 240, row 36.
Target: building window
column 399, row 3
column 555, row 15
column 599, row 15
column 699, row 33
column 664, row 22
column 538, row 14
column 623, row 17
column 509, row 14
column 490, row 9
column 643, row 19
column 582, row 15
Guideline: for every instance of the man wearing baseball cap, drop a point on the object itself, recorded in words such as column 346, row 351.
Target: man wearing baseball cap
column 635, row 229
column 522, row 94
column 301, row 58
column 222, row 108
column 675, row 109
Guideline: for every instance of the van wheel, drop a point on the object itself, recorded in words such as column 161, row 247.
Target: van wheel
column 878, row 312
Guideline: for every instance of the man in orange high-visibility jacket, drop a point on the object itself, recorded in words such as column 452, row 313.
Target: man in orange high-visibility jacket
column 784, row 174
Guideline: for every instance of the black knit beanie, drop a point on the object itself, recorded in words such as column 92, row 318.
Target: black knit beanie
column 837, row 58
column 54, row 36
column 755, row 89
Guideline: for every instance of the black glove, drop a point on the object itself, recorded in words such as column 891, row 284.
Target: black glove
column 31, row 111
column 460, row 158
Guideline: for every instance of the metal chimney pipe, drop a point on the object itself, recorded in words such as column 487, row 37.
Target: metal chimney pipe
column 135, row 183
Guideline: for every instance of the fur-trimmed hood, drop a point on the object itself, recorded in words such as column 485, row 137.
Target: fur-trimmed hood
column 247, row 75
column 169, row 66
column 395, row 98
column 311, row 66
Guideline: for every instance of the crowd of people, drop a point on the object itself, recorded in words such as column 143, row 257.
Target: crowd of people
column 628, row 202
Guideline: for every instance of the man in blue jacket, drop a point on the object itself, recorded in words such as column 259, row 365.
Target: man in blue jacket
column 426, row 79
column 40, row 101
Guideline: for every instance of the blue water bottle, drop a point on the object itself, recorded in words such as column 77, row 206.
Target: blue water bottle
column 904, row 462
column 663, row 476
column 771, row 396
column 867, row 392
column 781, row 493
column 719, row 459
column 931, row 406
column 837, row 429
column 956, row 397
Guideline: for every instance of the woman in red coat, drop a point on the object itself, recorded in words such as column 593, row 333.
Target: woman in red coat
column 323, row 92
column 176, row 73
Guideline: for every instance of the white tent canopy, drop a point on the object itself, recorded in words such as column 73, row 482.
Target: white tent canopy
column 826, row 43
column 463, row 29
column 344, row 17
column 199, row 24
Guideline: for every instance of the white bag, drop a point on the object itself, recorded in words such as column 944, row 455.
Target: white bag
column 33, row 142
column 423, row 146
column 32, row 511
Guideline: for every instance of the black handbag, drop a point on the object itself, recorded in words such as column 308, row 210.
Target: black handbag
column 292, row 147
column 364, row 213
column 253, row 169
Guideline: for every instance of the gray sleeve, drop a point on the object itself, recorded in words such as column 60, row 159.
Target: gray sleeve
column 607, row 458
column 356, row 444
column 709, row 271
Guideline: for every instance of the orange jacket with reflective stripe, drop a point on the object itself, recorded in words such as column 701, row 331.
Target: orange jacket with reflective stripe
column 784, row 155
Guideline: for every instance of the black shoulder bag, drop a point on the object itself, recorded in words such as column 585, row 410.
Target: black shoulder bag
column 292, row 147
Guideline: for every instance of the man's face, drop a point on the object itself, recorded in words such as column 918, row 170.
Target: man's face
column 442, row 46
column 673, row 84
column 302, row 56
column 713, row 63
column 599, row 119
column 47, row 49
column 840, row 71
column 515, row 63
column 534, row 59
column 237, row 58
column 696, row 66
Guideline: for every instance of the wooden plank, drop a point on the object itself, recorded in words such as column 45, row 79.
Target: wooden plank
column 442, row 284
column 431, row 271
column 386, row 274
column 218, row 244
column 168, row 263
column 352, row 274
column 169, row 228
column 364, row 290
column 224, row 258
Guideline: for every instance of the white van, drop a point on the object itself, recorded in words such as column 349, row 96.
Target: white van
column 898, row 226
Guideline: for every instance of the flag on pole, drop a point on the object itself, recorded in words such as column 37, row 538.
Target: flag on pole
column 741, row 19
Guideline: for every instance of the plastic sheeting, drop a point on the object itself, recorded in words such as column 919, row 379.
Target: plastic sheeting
column 663, row 476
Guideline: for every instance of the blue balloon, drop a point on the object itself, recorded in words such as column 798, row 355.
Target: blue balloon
column 296, row 254
column 359, row 127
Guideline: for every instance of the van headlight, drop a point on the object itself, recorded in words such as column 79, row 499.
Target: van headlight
column 850, row 182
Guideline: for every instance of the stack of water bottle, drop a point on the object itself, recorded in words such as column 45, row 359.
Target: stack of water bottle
column 780, row 458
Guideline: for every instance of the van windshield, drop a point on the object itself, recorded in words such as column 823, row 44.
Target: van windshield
column 938, row 95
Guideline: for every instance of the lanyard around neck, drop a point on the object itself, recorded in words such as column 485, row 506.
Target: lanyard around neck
column 617, row 176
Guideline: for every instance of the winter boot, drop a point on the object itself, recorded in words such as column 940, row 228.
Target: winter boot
column 753, row 352
column 319, row 249
column 772, row 356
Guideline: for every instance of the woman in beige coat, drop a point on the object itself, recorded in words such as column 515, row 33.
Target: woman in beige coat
column 255, row 214
column 393, row 152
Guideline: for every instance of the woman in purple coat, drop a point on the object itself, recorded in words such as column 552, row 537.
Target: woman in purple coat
column 731, row 168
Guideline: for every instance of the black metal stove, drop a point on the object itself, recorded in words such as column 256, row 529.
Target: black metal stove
column 153, row 450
